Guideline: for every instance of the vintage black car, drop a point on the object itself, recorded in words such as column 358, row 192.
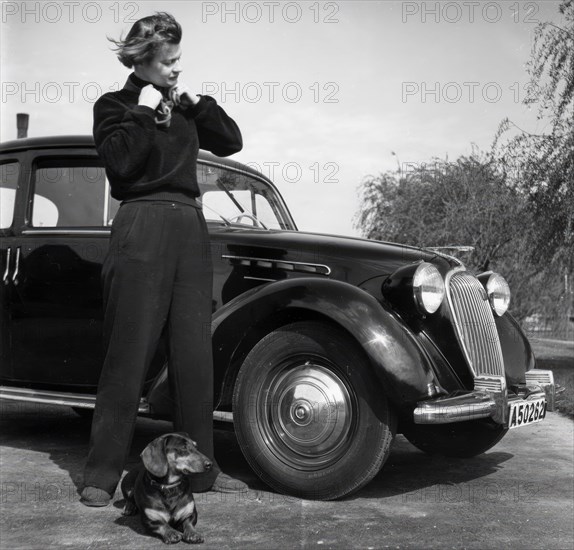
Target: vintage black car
column 324, row 346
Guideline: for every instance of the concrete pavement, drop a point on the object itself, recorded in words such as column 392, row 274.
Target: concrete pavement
column 517, row 495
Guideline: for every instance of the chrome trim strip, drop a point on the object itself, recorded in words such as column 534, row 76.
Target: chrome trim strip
column 490, row 383
column 16, row 267
column 85, row 401
column 67, row 231
column 450, row 306
column 7, row 270
column 440, row 254
column 106, row 203
column 259, row 279
column 223, row 416
column 453, row 247
column 483, row 343
column 276, row 262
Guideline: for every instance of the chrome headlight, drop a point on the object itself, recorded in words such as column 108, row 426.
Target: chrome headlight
column 428, row 287
column 415, row 289
column 497, row 290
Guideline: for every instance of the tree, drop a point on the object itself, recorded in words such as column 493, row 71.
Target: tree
column 465, row 202
column 541, row 166
column 515, row 205
column 552, row 57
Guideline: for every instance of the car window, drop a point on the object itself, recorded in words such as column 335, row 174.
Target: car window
column 75, row 193
column 9, row 172
column 69, row 193
column 239, row 198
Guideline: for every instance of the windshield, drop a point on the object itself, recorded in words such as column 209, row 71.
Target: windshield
column 239, row 198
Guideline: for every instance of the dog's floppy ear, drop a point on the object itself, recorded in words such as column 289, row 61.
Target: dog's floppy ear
column 153, row 457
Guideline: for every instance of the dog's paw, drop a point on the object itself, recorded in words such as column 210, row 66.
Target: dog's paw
column 193, row 537
column 172, row 536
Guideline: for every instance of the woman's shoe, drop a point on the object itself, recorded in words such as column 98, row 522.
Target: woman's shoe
column 94, row 496
column 226, row 484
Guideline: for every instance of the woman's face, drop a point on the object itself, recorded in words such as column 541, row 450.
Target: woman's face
column 164, row 68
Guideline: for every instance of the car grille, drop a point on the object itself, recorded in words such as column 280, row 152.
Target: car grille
column 474, row 323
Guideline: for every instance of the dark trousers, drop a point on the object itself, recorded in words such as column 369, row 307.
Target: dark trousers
column 157, row 275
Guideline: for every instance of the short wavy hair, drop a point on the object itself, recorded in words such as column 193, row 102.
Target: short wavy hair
column 146, row 37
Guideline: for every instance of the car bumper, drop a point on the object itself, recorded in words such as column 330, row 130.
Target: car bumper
column 489, row 399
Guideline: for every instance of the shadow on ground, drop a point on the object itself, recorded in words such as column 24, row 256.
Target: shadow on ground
column 64, row 436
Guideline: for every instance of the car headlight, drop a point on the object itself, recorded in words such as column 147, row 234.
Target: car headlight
column 497, row 290
column 428, row 287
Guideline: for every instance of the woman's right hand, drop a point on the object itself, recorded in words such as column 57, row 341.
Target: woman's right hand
column 149, row 96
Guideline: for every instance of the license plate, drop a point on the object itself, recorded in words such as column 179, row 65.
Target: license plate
column 526, row 412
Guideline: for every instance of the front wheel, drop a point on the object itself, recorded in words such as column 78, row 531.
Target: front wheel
column 310, row 417
column 461, row 439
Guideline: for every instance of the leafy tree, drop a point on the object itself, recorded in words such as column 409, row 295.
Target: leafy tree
column 552, row 57
column 515, row 206
column 541, row 166
column 465, row 202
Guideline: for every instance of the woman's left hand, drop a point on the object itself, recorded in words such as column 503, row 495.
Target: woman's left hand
column 181, row 95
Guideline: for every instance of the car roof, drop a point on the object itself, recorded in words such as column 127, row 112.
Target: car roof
column 55, row 142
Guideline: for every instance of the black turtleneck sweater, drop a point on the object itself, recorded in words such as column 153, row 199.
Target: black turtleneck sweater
column 144, row 160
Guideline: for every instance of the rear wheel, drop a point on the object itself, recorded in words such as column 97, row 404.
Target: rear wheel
column 461, row 439
column 310, row 417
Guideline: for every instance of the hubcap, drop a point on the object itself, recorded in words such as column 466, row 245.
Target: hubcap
column 306, row 414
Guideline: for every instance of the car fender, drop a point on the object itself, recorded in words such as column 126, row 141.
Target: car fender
column 398, row 361
column 516, row 350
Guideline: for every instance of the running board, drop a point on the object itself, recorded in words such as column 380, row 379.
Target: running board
column 80, row 400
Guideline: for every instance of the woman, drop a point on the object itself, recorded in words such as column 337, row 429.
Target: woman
column 157, row 275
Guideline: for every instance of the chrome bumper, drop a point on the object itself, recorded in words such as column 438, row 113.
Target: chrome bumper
column 489, row 399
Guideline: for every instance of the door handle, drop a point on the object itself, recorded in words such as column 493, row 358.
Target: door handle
column 5, row 279
column 16, row 267
column 6, row 275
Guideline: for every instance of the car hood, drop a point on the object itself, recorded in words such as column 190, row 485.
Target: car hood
column 348, row 258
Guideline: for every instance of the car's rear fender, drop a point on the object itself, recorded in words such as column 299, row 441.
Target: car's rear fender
column 398, row 360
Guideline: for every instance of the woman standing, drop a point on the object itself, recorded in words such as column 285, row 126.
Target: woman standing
column 157, row 275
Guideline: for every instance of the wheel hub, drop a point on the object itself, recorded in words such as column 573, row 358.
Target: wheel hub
column 301, row 411
column 307, row 414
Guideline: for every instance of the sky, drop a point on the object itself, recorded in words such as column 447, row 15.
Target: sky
column 325, row 93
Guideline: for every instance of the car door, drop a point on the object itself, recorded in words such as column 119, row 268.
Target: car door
column 10, row 170
column 54, row 295
column 52, row 300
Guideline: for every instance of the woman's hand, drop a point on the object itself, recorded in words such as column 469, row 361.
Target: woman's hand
column 149, row 96
column 181, row 95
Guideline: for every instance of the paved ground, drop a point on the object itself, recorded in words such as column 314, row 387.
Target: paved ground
column 518, row 495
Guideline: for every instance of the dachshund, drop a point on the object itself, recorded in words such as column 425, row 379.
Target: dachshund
column 161, row 491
